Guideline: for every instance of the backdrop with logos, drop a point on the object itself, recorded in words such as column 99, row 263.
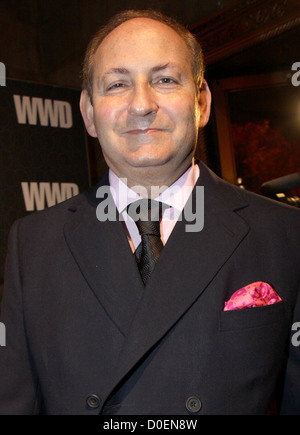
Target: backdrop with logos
column 43, row 149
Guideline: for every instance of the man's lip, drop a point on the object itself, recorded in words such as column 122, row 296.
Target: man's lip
column 143, row 131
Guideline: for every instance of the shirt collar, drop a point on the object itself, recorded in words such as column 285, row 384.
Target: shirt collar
column 175, row 195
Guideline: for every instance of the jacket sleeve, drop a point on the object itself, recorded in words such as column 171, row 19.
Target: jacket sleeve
column 19, row 389
column 291, row 391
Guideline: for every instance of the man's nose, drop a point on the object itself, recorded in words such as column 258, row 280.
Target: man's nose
column 142, row 100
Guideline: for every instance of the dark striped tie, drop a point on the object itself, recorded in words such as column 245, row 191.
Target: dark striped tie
column 147, row 215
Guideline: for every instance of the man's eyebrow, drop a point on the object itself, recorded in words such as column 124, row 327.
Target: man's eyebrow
column 116, row 71
column 124, row 71
column 164, row 66
column 160, row 67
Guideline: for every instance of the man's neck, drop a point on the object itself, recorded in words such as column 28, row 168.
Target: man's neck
column 146, row 181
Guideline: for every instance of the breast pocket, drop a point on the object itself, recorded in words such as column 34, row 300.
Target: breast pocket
column 254, row 340
column 248, row 318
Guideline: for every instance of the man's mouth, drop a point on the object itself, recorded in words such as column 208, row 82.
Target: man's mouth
column 145, row 131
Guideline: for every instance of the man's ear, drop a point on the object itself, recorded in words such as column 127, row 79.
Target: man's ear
column 87, row 112
column 204, row 100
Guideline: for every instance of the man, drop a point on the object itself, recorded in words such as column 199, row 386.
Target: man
column 87, row 332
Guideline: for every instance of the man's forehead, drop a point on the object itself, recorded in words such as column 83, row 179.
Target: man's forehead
column 142, row 40
column 136, row 28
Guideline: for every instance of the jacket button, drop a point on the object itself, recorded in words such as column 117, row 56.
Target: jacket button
column 193, row 404
column 93, row 401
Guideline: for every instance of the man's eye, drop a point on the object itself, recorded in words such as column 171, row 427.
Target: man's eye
column 166, row 80
column 115, row 86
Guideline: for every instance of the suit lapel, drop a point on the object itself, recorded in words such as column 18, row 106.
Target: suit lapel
column 177, row 281
column 111, row 273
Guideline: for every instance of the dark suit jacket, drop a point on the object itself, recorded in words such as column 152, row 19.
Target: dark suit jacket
column 85, row 337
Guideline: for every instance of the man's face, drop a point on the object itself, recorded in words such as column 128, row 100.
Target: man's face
column 145, row 110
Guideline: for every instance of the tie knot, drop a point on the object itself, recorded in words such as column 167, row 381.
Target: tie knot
column 147, row 214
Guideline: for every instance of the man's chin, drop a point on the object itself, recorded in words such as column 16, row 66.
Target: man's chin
column 148, row 160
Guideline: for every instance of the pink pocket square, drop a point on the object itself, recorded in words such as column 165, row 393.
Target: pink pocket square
column 256, row 294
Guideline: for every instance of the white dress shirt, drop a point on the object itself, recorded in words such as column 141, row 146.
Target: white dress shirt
column 175, row 196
